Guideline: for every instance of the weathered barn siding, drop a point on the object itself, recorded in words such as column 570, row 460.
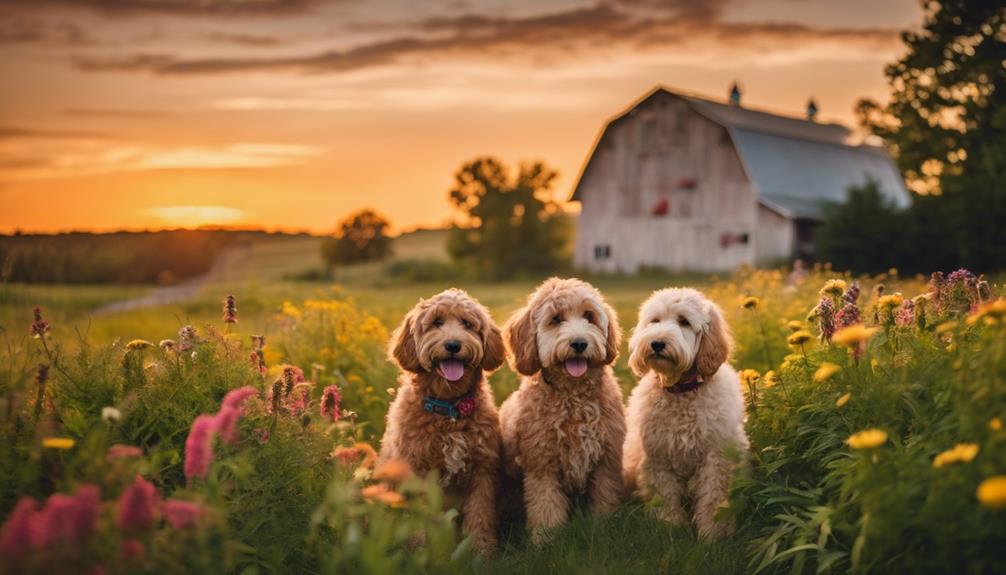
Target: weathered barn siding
column 664, row 152
column 774, row 237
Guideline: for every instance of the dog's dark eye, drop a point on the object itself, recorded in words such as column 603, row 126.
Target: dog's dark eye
column 466, row 324
column 655, row 320
column 683, row 322
column 556, row 319
column 588, row 315
column 438, row 322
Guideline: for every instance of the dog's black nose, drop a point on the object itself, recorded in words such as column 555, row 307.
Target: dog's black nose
column 657, row 346
column 579, row 346
column 452, row 346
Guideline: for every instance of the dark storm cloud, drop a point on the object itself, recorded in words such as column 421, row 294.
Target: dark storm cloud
column 567, row 33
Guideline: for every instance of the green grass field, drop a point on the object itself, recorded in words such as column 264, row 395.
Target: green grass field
column 804, row 508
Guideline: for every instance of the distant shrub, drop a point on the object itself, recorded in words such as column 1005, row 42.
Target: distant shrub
column 422, row 271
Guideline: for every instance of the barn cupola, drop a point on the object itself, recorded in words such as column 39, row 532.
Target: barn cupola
column 735, row 95
column 811, row 110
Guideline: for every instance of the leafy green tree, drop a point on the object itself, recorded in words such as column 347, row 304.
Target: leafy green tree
column 509, row 224
column 865, row 234
column 361, row 237
column 946, row 124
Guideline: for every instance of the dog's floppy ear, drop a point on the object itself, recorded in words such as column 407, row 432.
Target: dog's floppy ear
column 715, row 345
column 614, row 338
column 402, row 348
column 637, row 357
column 521, row 341
column 493, row 353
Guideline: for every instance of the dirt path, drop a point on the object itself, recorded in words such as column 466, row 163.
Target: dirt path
column 186, row 290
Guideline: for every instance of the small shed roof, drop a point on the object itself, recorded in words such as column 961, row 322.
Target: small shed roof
column 797, row 166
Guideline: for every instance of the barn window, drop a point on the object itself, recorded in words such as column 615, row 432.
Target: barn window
column 602, row 251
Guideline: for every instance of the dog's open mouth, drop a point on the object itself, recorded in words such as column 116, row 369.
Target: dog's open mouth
column 451, row 369
column 576, row 366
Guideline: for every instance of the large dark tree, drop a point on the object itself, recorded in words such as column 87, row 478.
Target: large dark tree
column 509, row 224
column 361, row 237
column 946, row 124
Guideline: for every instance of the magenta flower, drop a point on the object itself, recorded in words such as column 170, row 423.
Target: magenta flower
column 138, row 505
column 236, row 397
column 66, row 519
column 226, row 422
column 182, row 514
column 330, row 398
column 120, row 451
column 199, row 447
column 16, row 535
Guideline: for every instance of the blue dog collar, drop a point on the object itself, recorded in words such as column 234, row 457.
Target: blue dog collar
column 456, row 409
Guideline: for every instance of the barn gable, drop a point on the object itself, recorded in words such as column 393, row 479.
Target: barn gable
column 795, row 166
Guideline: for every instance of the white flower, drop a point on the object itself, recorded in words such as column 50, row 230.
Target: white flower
column 110, row 414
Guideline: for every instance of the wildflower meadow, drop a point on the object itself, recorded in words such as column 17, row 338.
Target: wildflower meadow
column 874, row 409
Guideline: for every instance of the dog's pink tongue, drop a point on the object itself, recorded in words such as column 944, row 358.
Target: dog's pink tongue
column 576, row 366
column 451, row 369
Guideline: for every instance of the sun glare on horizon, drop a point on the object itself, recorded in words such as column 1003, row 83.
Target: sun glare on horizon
column 197, row 216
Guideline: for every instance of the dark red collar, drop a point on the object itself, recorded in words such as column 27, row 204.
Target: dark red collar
column 690, row 381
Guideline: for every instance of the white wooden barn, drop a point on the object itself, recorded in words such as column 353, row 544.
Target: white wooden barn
column 688, row 184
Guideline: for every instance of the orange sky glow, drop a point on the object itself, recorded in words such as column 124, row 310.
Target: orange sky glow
column 289, row 114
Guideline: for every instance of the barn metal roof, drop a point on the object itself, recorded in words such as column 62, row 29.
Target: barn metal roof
column 797, row 166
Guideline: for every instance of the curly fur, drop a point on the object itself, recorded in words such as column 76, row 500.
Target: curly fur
column 681, row 444
column 465, row 453
column 562, row 435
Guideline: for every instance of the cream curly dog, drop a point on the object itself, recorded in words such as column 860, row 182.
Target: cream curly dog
column 563, row 428
column 443, row 417
column 686, row 415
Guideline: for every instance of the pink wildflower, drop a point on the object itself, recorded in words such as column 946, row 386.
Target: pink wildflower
column 187, row 338
column 66, row 519
column 226, row 422
column 16, row 535
column 199, row 447
column 292, row 375
column 236, row 397
column 138, row 505
column 182, row 514
column 330, row 398
column 120, row 451
column 905, row 315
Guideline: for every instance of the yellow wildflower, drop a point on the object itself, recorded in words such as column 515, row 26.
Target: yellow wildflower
column 825, row 372
column 854, row 335
column 290, row 310
column 138, row 344
column 834, row 288
column 891, row 301
column 945, row 327
column 58, row 443
column 770, row 379
column 750, row 302
column 960, row 453
column 867, row 439
column 795, row 325
column 995, row 424
column 749, row 376
column 874, row 366
column 799, row 338
column 990, row 312
column 843, row 400
column 992, row 492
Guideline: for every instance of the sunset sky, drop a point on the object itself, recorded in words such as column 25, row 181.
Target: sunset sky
column 291, row 113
